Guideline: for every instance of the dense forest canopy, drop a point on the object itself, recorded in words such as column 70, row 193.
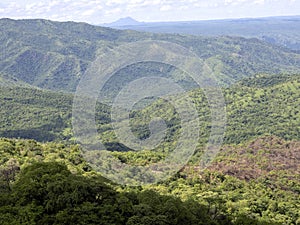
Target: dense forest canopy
column 45, row 178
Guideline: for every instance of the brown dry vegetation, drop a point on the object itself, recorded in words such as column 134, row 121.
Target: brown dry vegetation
column 269, row 157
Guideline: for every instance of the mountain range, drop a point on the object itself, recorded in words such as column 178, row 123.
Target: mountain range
column 55, row 55
column 282, row 31
column 45, row 178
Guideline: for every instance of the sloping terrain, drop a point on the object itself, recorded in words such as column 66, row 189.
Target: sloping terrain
column 54, row 55
column 256, row 106
column 270, row 157
column 52, row 182
column 253, row 180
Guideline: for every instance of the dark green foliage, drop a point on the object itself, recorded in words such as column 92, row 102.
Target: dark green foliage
column 265, row 80
column 47, row 193
column 39, row 114
column 27, row 112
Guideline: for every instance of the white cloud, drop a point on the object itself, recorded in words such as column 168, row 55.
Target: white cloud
column 165, row 8
column 259, row 2
column 88, row 12
column 114, row 2
column 113, row 11
column 184, row 7
column 237, row 2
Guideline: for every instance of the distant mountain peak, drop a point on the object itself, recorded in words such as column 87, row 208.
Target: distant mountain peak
column 126, row 21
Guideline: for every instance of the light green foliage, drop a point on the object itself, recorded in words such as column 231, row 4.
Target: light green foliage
column 56, row 185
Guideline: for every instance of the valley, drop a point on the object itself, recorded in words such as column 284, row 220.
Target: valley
column 45, row 178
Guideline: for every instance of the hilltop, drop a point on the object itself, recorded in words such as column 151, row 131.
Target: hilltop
column 55, row 55
column 126, row 21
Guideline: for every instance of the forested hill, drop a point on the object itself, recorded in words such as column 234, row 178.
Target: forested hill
column 54, row 55
column 44, row 178
column 265, row 104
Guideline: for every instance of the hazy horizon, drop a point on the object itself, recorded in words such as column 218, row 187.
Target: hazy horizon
column 99, row 12
column 229, row 18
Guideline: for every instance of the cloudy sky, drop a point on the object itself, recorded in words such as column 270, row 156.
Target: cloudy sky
column 104, row 11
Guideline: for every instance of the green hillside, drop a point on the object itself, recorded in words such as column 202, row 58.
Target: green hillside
column 50, row 183
column 55, row 55
column 258, row 106
column 34, row 113
column 44, row 178
column 38, row 114
column 252, row 111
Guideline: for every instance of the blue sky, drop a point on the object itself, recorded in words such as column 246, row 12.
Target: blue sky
column 103, row 11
